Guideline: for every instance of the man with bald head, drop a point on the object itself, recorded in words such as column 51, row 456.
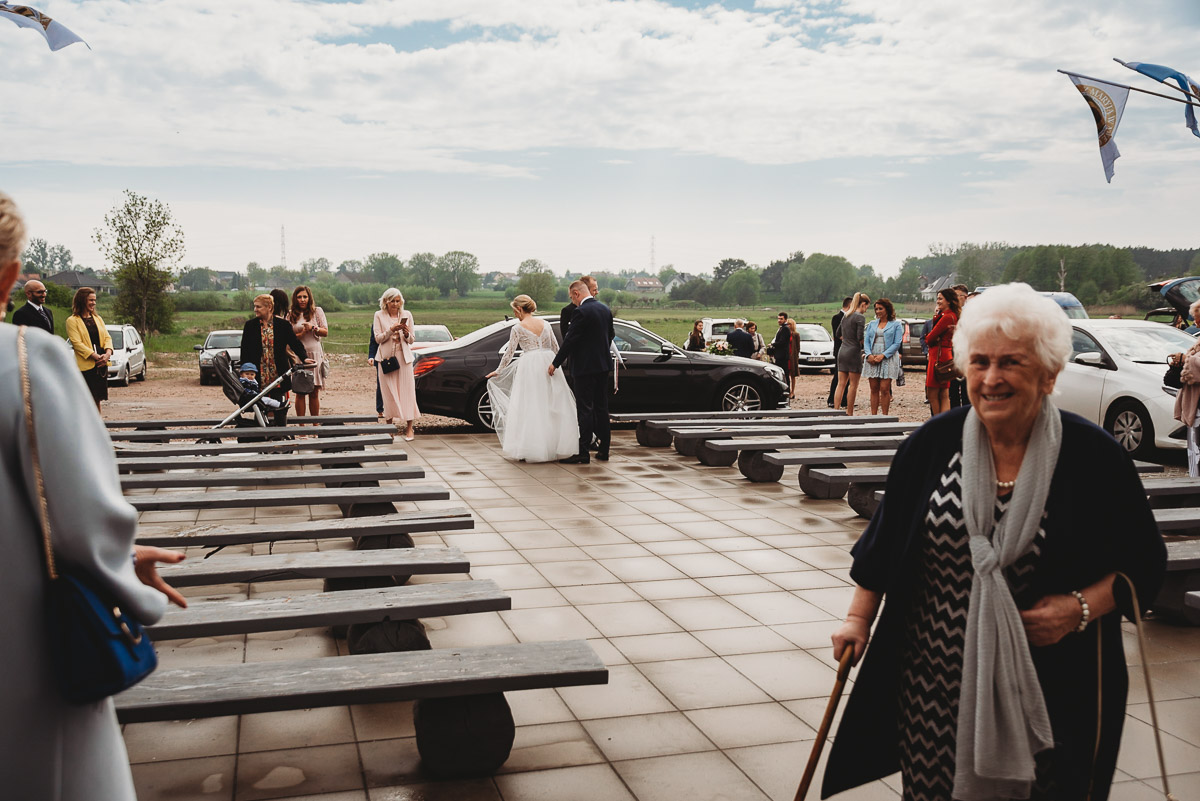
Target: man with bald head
column 34, row 313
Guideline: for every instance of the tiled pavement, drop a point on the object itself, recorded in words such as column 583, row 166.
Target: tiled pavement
column 711, row 600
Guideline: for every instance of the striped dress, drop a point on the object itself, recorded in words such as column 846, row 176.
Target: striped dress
column 931, row 675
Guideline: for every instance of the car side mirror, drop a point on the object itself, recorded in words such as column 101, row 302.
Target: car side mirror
column 667, row 350
column 1091, row 358
column 197, row 347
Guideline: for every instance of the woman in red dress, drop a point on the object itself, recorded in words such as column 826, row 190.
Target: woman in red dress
column 941, row 350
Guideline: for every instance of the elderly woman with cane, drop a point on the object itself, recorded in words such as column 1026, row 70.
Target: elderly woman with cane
column 1003, row 546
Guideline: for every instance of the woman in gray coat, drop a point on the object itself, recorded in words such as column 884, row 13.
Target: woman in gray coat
column 52, row 750
column 850, row 354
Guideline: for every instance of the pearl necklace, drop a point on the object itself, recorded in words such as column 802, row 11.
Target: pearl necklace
column 1006, row 484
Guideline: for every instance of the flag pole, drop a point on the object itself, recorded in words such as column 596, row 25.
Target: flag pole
column 1131, row 88
column 1125, row 64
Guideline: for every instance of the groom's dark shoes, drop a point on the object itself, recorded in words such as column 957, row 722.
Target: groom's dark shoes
column 579, row 458
column 602, row 455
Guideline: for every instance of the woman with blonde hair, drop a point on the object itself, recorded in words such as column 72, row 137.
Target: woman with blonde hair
column 393, row 330
column 1189, row 397
column 91, row 342
column 850, row 353
column 533, row 412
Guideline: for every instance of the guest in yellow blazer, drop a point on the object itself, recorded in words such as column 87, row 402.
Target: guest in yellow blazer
column 91, row 343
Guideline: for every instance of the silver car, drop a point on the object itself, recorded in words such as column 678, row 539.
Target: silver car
column 129, row 355
column 217, row 341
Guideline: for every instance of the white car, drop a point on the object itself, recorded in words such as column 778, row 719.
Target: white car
column 1115, row 379
column 217, row 341
column 129, row 355
column 816, row 348
column 426, row 335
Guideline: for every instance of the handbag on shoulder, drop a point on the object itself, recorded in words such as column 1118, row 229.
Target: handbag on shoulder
column 945, row 370
column 303, row 382
column 96, row 649
column 390, row 364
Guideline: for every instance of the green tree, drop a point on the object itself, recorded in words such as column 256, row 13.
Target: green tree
column 44, row 259
column 667, row 272
column 820, row 278
column 532, row 266
column 742, row 288
column 458, row 271
column 540, row 286
column 384, row 268
column 728, row 267
column 313, row 268
column 143, row 243
column 198, row 279
column 257, row 276
column 352, row 269
column 772, row 277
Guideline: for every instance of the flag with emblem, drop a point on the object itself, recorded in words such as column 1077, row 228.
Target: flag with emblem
column 56, row 34
column 1163, row 75
column 1107, row 103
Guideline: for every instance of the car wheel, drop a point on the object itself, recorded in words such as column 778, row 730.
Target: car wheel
column 1130, row 425
column 480, row 410
column 145, row 369
column 739, row 395
column 123, row 377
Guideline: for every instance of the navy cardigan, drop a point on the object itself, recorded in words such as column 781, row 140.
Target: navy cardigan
column 1098, row 521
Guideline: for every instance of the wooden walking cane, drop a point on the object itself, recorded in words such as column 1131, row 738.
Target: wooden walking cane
column 843, row 672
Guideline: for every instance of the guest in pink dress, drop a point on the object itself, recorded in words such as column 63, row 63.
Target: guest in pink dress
column 308, row 321
column 393, row 330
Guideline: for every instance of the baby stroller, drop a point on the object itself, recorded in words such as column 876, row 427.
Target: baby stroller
column 233, row 390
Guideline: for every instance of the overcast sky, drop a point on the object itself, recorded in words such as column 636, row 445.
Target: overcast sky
column 574, row 131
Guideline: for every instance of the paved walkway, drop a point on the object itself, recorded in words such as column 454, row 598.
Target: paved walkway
column 711, row 600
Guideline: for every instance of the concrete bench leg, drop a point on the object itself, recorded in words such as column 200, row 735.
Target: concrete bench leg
column 652, row 437
column 1170, row 602
column 686, row 447
column 822, row 490
column 861, row 498
column 757, row 469
column 387, row 637
column 469, row 735
column 710, row 458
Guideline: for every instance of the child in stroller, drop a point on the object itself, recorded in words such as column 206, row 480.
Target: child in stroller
column 248, row 378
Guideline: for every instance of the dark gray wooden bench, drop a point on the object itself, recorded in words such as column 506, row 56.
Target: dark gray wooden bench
column 258, row 461
column 206, row 422
column 316, row 610
column 696, row 441
column 380, row 527
column 656, row 438
column 345, row 497
column 349, row 476
column 323, row 565
column 1182, row 579
column 829, row 459
column 266, row 432
column 128, row 450
column 769, row 424
column 751, row 451
column 455, row 689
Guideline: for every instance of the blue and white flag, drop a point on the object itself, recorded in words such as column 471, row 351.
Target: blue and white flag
column 1107, row 102
column 55, row 33
column 1162, row 75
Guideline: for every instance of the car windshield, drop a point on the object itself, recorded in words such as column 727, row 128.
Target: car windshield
column 721, row 329
column 1075, row 312
column 432, row 335
column 118, row 338
column 1151, row 345
column 1189, row 290
column 812, row 334
column 224, row 340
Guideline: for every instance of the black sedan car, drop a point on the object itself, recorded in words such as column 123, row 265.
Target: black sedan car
column 656, row 376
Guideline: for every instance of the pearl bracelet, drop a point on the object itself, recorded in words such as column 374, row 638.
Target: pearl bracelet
column 1087, row 612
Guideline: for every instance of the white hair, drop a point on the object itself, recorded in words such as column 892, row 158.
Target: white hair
column 388, row 294
column 1016, row 312
column 12, row 230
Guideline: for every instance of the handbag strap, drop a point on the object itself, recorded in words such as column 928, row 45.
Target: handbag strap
column 1137, row 619
column 39, row 484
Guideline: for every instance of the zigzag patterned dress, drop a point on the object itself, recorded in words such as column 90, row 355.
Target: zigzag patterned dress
column 936, row 631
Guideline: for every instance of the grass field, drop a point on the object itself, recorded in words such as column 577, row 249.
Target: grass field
column 348, row 330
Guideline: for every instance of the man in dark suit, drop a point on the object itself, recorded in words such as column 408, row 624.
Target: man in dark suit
column 34, row 313
column 740, row 340
column 836, row 325
column 781, row 346
column 586, row 344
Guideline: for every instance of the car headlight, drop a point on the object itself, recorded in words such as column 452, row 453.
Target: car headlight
column 206, row 360
column 1172, row 391
column 775, row 371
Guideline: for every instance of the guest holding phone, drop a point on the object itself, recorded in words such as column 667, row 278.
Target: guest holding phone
column 393, row 330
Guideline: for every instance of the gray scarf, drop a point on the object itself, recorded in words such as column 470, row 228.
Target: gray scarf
column 1002, row 718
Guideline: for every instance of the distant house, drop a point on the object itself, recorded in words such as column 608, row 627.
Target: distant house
column 73, row 280
column 931, row 288
column 644, row 285
column 228, row 279
column 677, row 280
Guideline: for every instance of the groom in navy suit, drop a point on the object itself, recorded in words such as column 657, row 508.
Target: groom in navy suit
column 586, row 344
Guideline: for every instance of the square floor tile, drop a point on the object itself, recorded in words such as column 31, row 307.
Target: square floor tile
column 627, row 619
column 698, row 614
column 639, row 736
column 708, row 776
column 511, row 577
column 704, row 565
column 535, row 598
column 786, row 674
column 671, row 588
column 660, row 647
column 551, row 745
column 458, row 631
column 628, row 692
column 583, row 783
column 533, row 707
column 298, row 728
column 599, row 594
column 566, row 553
column 384, row 721
column 643, row 568
column 205, row 779
column 737, row 585
column 752, row 724
column 298, row 771
column 748, row 640
column 701, row 683
column 779, row 607
column 574, row 573
column 458, row 790
column 550, row 623
column 181, row 739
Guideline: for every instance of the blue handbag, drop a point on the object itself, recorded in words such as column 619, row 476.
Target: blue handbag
column 96, row 649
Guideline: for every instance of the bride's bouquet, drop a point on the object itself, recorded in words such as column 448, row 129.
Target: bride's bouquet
column 719, row 348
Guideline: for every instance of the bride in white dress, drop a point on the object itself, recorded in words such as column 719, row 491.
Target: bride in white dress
column 534, row 413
